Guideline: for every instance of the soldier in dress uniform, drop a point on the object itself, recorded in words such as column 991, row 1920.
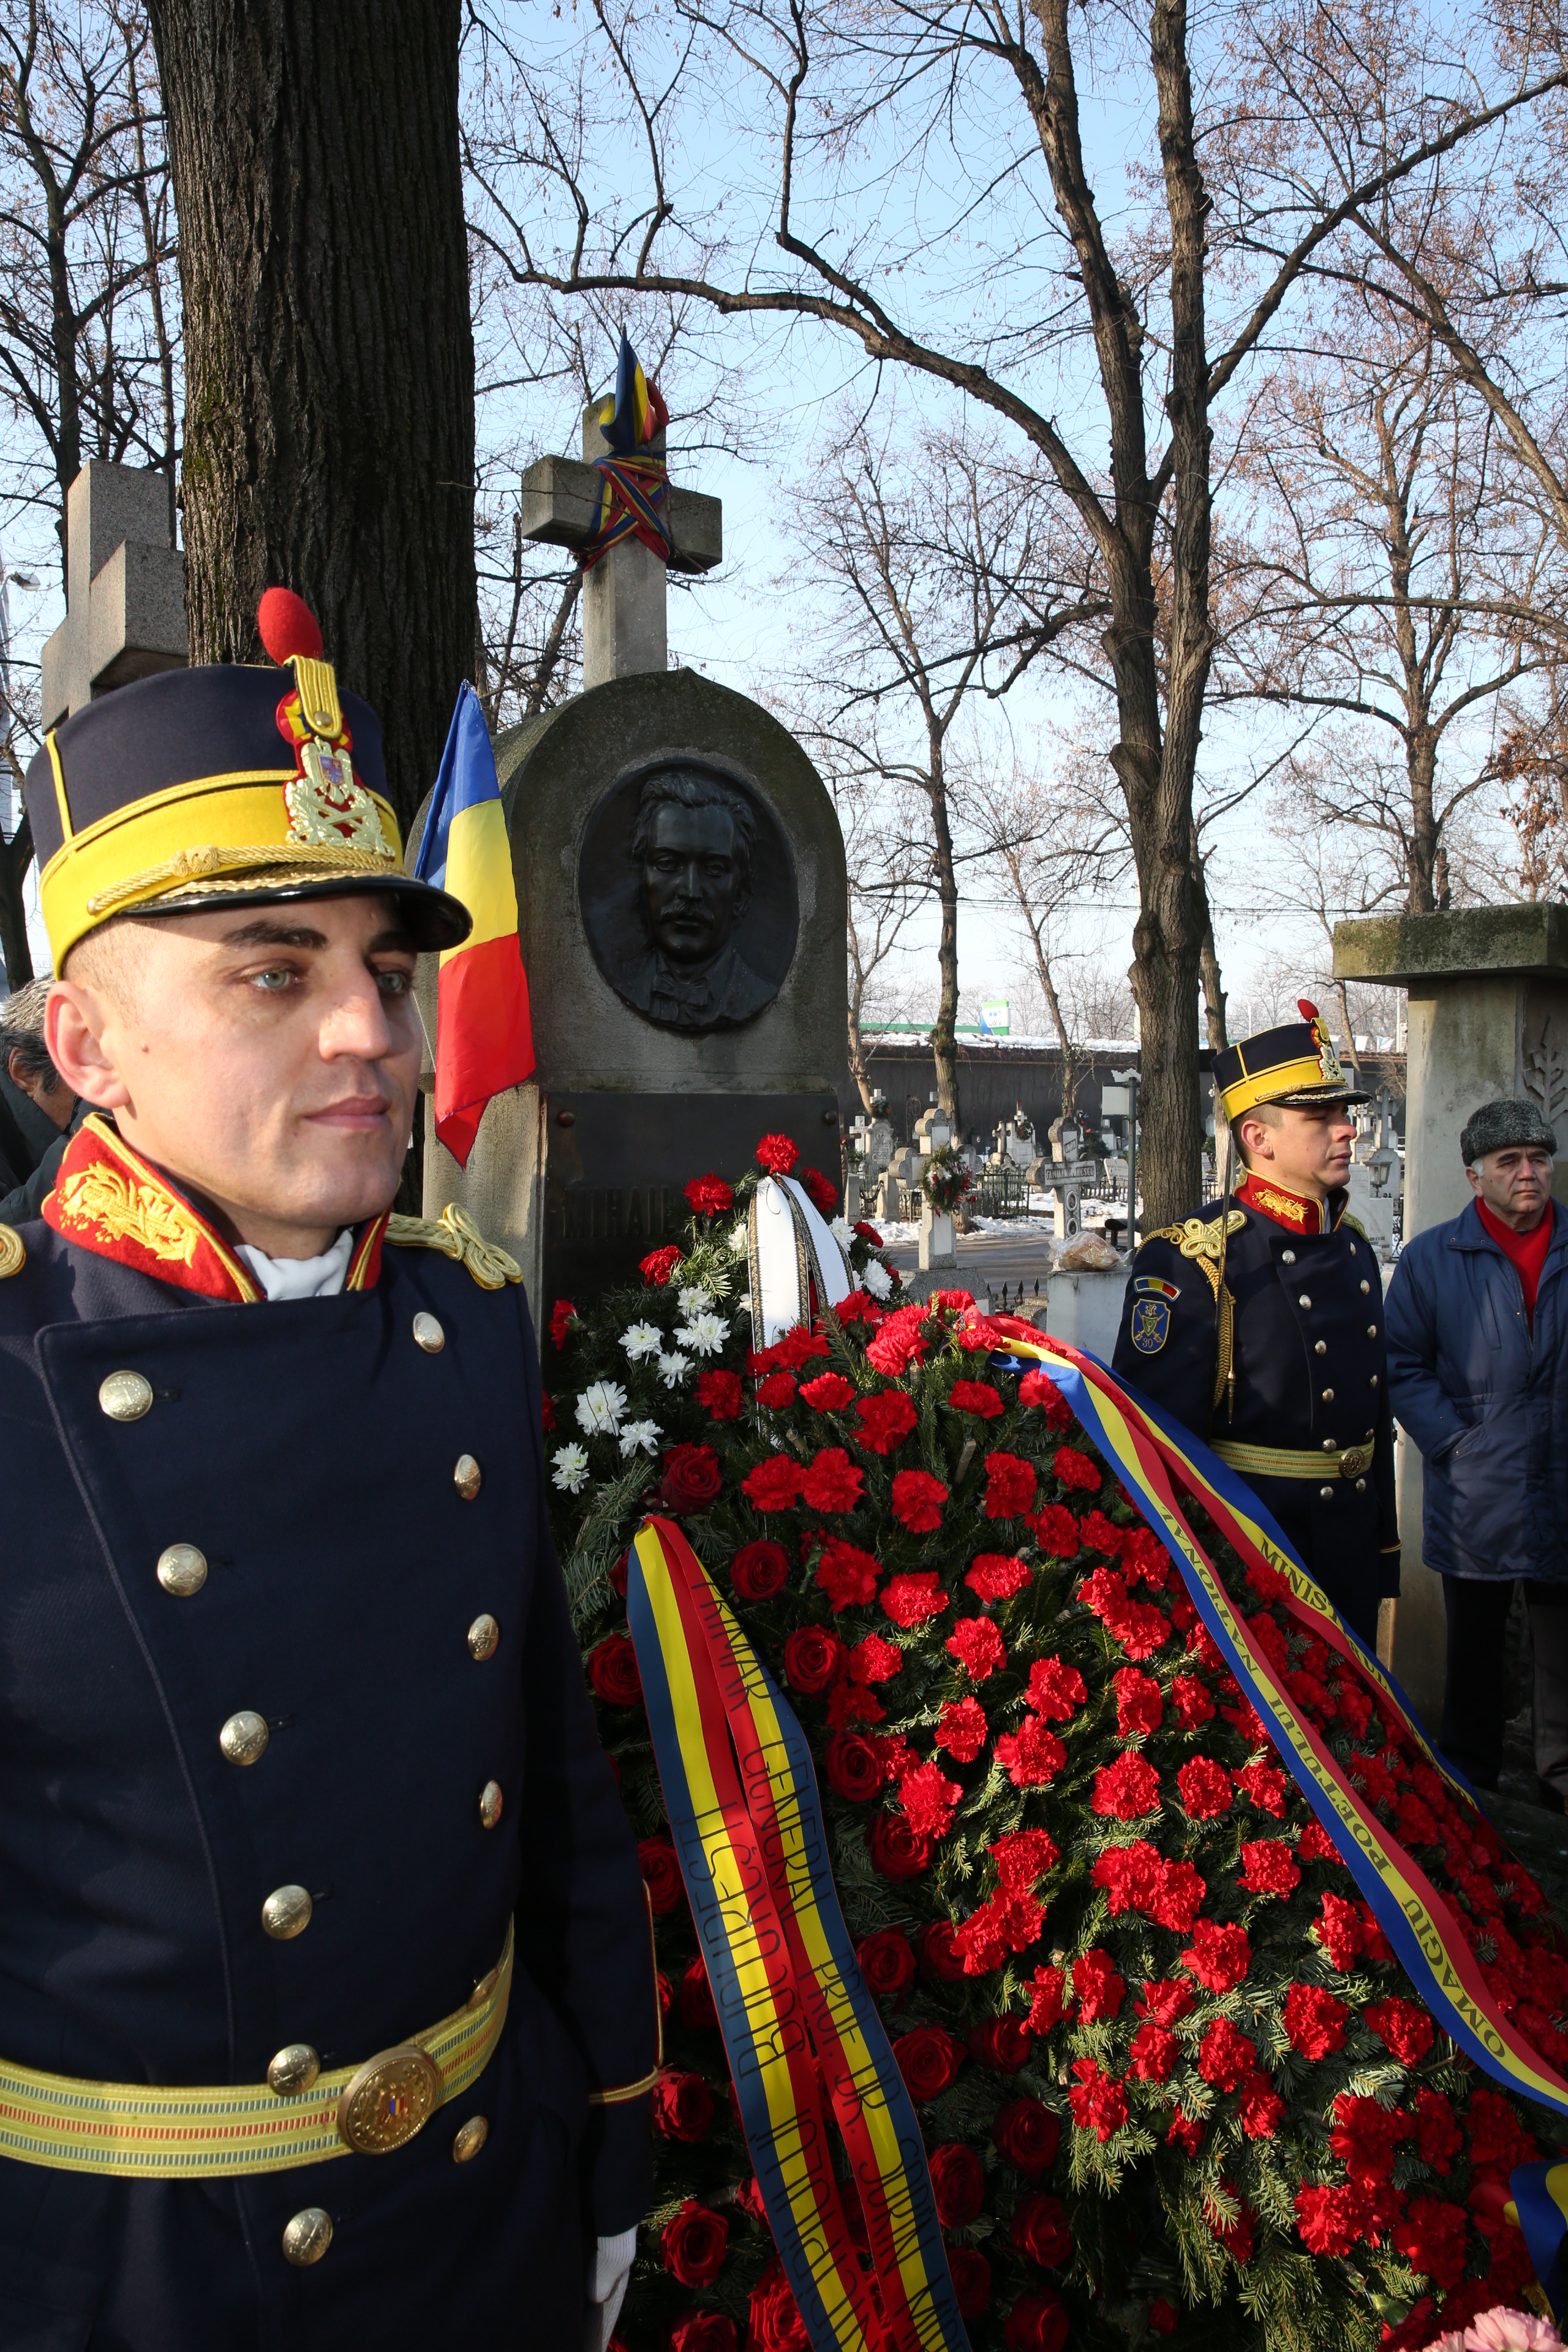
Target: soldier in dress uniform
column 1259, row 1324
column 327, row 2011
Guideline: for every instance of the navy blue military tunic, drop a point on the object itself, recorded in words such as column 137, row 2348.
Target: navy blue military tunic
column 308, row 1452
column 1286, row 1351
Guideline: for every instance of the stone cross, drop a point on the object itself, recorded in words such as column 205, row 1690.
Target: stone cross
column 125, row 588
column 625, row 628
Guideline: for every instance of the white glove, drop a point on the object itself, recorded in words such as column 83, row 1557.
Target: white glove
column 608, row 2272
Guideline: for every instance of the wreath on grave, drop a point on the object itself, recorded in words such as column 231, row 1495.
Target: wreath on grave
column 1174, row 2087
column 945, row 1179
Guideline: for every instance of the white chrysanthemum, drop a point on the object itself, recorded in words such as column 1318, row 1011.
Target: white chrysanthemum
column 641, row 1340
column 877, row 1279
column 840, row 1230
column 674, row 1369
column 744, row 1302
column 600, row 1407
column 739, row 1241
column 570, row 1468
column 704, row 1335
column 644, row 1434
column 693, row 1299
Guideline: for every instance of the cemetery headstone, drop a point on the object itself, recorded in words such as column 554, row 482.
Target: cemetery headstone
column 125, row 588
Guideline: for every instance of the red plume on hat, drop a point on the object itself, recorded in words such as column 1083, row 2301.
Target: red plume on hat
column 1307, row 1011
column 287, row 626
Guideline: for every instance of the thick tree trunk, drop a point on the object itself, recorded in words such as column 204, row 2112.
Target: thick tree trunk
column 329, row 443
column 944, row 1035
column 15, row 856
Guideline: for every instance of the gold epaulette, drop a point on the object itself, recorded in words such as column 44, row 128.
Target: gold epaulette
column 1196, row 1239
column 13, row 1252
column 455, row 1235
column 1356, row 1227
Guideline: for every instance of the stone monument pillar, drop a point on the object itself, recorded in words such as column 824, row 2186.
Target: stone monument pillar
column 1488, row 1016
column 125, row 588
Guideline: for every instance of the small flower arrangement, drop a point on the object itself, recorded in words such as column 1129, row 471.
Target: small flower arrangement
column 944, row 1179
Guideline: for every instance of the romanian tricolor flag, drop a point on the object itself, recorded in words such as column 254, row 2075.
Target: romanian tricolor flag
column 484, row 1038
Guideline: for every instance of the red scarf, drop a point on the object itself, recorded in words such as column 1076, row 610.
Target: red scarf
column 1526, row 1253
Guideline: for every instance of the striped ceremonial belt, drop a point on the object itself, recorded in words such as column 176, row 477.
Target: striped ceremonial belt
column 1289, row 1462
column 162, row 2132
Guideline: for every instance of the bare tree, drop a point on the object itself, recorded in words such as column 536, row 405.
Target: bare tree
column 883, row 869
column 971, row 103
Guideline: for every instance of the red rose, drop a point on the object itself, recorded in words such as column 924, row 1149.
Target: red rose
column 853, row 1767
column 613, row 1670
column 777, row 1154
column 887, row 1961
column 918, row 1498
column 913, row 1599
column 1075, row 1469
column 618, row 1574
column 1026, row 2134
column 886, row 1420
column 1001, row 2043
column 828, row 1393
column 777, row 1391
column 773, row 1484
column 658, row 1266
column 1009, row 1485
column 719, row 1394
column 693, row 2244
column 696, row 2009
column 928, row 2060
column 562, row 1315
column 847, row 1575
column 1164, row 2317
column 823, row 1196
column 661, row 1874
column 690, row 1480
column 1036, row 2323
column 941, row 1958
column 896, row 1849
column 760, row 1569
column 971, row 2276
column 976, row 1396
column 710, row 1196
column 546, row 1410
column 957, row 2183
column 702, row 2331
column 1040, row 2230
column 812, row 1656
column 831, row 1482
column 776, row 2325
column 682, row 2106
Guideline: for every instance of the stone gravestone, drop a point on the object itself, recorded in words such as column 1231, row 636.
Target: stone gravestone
column 125, row 588
column 1488, row 1016
column 681, row 898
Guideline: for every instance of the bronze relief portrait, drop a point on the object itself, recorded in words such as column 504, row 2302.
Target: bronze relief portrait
column 687, row 893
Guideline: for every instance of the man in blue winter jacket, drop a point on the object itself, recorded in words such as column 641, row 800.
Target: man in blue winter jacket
column 1477, row 1317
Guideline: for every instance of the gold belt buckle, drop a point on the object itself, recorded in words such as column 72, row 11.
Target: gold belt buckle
column 392, row 2096
column 1355, row 1460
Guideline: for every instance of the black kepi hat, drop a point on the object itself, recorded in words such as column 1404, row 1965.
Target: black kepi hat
column 1295, row 1065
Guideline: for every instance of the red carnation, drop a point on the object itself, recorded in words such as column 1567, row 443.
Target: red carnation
column 1096, row 1986
column 831, row 1481
column 996, row 1575
column 562, row 1315
column 710, row 1196
column 887, row 1961
column 1269, row 1867
column 812, row 1656
column 896, row 1848
column 1138, row 1706
column 613, row 1670
column 1340, row 1931
column 1098, row 2104
column 1009, row 1485
column 823, row 1196
column 971, row 2276
column 1101, row 1534
column 760, row 1569
column 1153, row 2053
column 961, row 1728
column 847, row 1575
column 658, row 1266
column 1406, row 2029
column 1040, row 2231
column 828, row 1393
column 873, row 1659
column 777, row 1392
column 777, row 1154
column 918, row 1498
column 1026, row 2134
column 1314, row 2020
column 546, row 1410
column 1048, row 1998
column 1039, row 1389
column 1055, row 1530
column 1328, row 2219
column 1218, row 1956
column 1191, row 1701
column 1236, row 2237
column 898, row 1344
column 661, row 1874
column 958, row 2184
column 1072, row 1469
column 1055, row 1689
column 1036, row 2323
column 929, row 1798
column 1435, row 2130
column 865, row 1233
column 1002, row 2044
column 773, row 1484
column 1031, row 1756
column 1365, row 2137
column 978, row 1647
column 682, row 2106
column 1264, row 1784
column 1433, row 2238
column 1126, row 1790
column 886, row 1420
column 1167, row 1999
column 912, row 1598
column 719, row 1394
column 853, row 1767
column 1205, row 1788
column 1226, row 2056
column 976, row 1396
column 693, row 2244
column 928, row 2060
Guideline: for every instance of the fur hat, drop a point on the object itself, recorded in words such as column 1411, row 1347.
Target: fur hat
column 1499, row 1125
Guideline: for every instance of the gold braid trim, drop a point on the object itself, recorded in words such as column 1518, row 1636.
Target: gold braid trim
column 1197, row 1240
column 1225, row 1355
column 455, row 1235
column 197, row 864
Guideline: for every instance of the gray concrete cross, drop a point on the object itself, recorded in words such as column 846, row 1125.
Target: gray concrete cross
column 125, row 588
column 625, row 625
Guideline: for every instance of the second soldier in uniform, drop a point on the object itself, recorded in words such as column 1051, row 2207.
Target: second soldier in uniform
column 1259, row 1324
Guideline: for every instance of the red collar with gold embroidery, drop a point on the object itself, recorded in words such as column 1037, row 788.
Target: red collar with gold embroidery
column 1292, row 1210
column 108, row 1199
